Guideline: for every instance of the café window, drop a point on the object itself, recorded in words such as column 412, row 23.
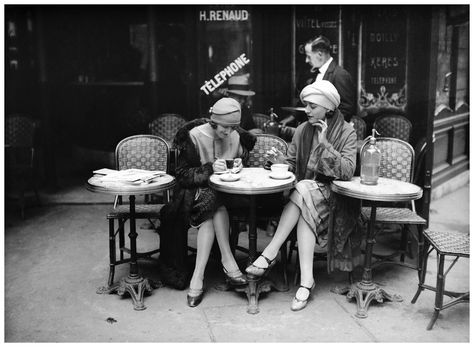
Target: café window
column 225, row 49
column 384, row 56
column 458, row 83
column 310, row 22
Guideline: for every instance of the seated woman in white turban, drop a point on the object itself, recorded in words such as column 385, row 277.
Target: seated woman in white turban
column 323, row 149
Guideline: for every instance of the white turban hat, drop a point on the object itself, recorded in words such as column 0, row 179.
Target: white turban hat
column 322, row 93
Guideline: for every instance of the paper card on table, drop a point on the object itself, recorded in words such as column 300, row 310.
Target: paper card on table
column 131, row 175
column 104, row 171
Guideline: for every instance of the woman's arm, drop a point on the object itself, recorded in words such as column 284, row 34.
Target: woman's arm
column 190, row 173
column 332, row 163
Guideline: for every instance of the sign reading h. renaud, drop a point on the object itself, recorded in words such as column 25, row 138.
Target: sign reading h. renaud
column 221, row 77
column 223, row 15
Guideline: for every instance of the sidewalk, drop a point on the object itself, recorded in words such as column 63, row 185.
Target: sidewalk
column 57, row 257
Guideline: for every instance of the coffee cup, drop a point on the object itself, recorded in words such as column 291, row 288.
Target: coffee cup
column 229, row 163
column 280, row 169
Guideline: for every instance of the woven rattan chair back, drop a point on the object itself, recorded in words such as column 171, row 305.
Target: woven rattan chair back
column 264, row 143
column 260, row 119
column 397, row 159
column 166, row 125
column 147, row 152
column 360, row 127
column 20, row 131
column 396, row 126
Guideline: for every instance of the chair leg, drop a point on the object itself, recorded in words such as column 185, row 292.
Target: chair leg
column 439, row 292
column 234, row 235
column 421, row 256
column 112, row 255
column 423, row 261
column 284, row 262
column 403, row 243
column 121, row 231
column 297, row 269
column 292, row 248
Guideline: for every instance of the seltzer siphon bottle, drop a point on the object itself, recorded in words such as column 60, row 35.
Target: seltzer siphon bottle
column 370, row 161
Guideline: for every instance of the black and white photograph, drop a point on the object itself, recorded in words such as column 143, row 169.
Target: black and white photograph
column 196, row 172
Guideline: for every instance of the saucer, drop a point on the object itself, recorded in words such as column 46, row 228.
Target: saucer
column 283, row 176
column 221, row 172
column 229, row 177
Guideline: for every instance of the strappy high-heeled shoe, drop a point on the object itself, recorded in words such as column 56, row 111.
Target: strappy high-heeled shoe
column 298, row 304
column 235, row 278
column 258, row 271
column 195, row 296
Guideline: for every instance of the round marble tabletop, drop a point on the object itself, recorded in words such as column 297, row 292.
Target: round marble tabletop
column 385, row 190
column 253, row 181
column 158, row 184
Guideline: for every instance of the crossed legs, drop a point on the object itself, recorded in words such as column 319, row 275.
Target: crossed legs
column 218, row 226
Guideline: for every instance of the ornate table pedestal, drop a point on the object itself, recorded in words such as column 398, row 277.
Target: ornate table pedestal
column 253, row 182
column 387, row 189
column 134, row 284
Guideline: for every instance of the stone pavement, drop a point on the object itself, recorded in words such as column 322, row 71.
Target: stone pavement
column 57, row 257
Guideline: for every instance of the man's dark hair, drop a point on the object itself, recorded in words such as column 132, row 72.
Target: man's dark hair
column 318, row 43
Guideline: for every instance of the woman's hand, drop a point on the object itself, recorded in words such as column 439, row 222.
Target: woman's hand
column 237, row 165
column 275, row 156
column 323, row 126
column 219, row 165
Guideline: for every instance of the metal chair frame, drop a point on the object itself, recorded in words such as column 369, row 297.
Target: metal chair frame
column 446, row 243
column 121, row 213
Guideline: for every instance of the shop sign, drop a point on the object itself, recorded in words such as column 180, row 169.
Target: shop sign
column 384, row 61
column 223, row 15
column 220, row 77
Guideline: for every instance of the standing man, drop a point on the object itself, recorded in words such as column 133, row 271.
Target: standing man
column 324, row 67
column 239, row 89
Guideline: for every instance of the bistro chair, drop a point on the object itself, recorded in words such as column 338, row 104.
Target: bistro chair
column 260, row 119
column 20, row 158
column 447, row 244
column 398, row 162
column 396, row 126
column 166, row 126
column 146, row 152
column 360, row 127
column 257, row 159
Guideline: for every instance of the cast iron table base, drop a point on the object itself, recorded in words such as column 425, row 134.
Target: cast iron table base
column 135, row 286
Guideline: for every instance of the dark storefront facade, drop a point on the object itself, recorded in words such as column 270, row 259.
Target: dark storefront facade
column 95, row 74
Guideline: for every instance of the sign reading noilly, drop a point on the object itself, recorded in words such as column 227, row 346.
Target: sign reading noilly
column 228, row 71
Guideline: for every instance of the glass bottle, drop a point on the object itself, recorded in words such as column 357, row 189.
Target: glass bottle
column 272, row 127
column 370, row 161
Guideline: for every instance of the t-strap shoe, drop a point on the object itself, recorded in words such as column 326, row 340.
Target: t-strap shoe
column 235, row 278
column 195, row 296
column 258, row 271
column 298, row 304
